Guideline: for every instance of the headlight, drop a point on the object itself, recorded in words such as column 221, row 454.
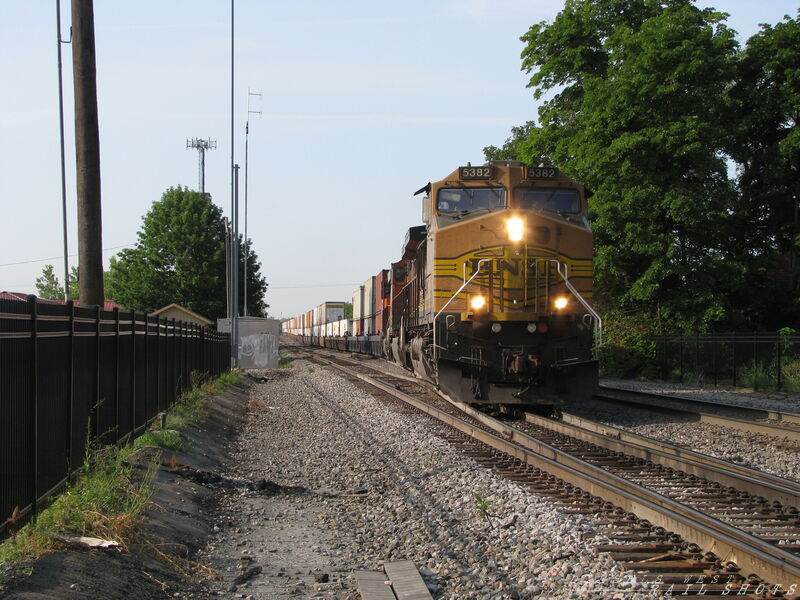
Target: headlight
column 477, row 302
column 516, row 229
column 496, row 327
column 561, row 302
column 531, row 327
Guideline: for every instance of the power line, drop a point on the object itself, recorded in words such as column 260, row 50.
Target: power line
column 309, row 286
column 27, row 262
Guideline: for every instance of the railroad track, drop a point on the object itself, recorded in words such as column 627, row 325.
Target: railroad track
column 782, row 425
column 697, row 524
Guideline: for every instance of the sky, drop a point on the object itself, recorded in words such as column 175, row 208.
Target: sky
column 362, row 103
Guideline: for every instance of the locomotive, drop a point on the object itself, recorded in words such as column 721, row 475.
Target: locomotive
column 490, row 299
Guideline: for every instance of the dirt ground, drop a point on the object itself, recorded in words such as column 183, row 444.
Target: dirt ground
column 177, row 525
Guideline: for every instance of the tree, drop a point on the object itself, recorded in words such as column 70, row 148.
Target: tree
column 640, row 104
column 180, row 257
column 49, row 287
column 765, row 143
column 515, row 145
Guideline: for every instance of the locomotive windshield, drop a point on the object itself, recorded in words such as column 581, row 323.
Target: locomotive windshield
column 559, row 200
column 469, row 199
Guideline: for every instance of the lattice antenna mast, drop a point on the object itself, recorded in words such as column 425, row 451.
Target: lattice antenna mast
column 201, row 145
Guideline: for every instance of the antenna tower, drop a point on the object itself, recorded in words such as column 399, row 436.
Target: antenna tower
column 202, row 145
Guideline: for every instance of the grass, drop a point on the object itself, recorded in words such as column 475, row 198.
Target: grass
column 284, row 361
column 114, row 485
column 105, row 501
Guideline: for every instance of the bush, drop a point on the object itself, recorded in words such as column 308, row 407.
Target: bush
column 627, row 351
column 757, row 376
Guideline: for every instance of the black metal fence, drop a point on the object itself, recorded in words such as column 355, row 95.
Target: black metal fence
column 764, row 360
column 69, row 374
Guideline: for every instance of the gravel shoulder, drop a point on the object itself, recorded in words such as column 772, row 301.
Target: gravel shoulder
column 765, row 453
column 777, row 401
column 351, row 484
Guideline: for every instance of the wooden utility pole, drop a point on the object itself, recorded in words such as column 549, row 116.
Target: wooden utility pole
column 87, row 151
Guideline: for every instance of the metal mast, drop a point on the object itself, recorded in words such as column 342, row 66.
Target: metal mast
column 201, row 145
column 61, row 130
column 246, row 142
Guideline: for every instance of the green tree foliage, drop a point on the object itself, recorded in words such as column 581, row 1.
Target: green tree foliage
column 635, row 102
column 765, row 143
column 49, row 287
column 180, row 257
column 515, row 146
column 649, row 103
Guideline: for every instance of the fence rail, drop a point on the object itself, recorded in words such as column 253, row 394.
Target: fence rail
column 70, row 374
column 734, row 359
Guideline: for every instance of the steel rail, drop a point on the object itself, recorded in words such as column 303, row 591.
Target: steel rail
column 656, row 402
column 772, row 487
column 752, row 554
column 756, row 413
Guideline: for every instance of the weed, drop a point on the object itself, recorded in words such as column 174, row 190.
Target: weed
column 757, row 376
column 105, row 501
column 482, row 506
column 790, row 376
column 114, row 484
column 310, row 369
column 168, row 439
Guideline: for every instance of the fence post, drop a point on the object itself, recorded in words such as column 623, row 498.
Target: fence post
column 97, row 372
column 158, row 366
column 146, row 364
column 116, row 374
column 697, row 357
column 32, row 306
column 133, row 373
column 71, row 382
column 714, row 358
column 680, row 358
column 174, row 362
column 778, row 345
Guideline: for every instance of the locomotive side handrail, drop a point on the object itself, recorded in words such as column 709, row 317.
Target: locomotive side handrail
column 453, row 297
column 598, row 327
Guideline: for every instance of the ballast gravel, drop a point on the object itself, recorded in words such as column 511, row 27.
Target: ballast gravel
column 363, row 485
column 765, row 453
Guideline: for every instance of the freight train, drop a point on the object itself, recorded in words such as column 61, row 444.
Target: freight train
column 490, row 298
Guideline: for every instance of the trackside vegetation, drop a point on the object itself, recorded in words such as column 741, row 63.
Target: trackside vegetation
column 114, row 485
column 688, row 140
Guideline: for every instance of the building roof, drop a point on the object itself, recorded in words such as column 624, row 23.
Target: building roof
column 107, row 304
column 183, row 309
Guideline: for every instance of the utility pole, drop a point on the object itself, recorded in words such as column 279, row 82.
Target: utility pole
column 234, row 215
column 201, row 145
column 61, row 137
column 87, row 151
column 235, row 269
column 246, row 142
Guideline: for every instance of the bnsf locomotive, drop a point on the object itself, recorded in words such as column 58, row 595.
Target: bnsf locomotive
column 491, row 296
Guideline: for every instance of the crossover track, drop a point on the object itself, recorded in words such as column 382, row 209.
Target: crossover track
column 781, row 425
column 745, row 521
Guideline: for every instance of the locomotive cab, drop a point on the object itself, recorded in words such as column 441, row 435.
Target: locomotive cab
column 508, row 280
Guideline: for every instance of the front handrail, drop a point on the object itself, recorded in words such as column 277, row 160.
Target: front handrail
column 598, row 327
column 453, row 297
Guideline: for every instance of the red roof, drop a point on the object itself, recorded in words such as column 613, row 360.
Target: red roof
column 107, row 304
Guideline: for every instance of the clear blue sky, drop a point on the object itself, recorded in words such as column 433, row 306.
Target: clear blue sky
column 363, row 103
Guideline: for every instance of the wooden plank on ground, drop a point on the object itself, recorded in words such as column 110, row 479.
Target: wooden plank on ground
column 406, row 581
column 371, row 586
